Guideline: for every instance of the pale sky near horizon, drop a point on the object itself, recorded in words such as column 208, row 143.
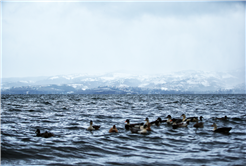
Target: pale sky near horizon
column 55, row 38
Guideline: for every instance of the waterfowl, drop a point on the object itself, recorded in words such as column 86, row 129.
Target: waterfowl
column 157, row 122
column 45, row 135
column 148, row 127
column 175, row 125
column 135, row 129
column 142, row 127
column 147, row 121
column 38, row 133
column 140, row 131
column 113, row 129
column 191, row 119
column 160, row 120
column 169, row 120
column 184, row 117
column 222, row 129
column 179, row 120
column 93, row 127
column 144, row 130
column 222, row 118
column 198, row 125
column 128, row 125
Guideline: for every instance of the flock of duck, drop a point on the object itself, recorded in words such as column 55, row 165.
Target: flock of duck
column 142, row 128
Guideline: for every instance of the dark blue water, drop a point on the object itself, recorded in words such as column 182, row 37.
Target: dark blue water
column 68, row 116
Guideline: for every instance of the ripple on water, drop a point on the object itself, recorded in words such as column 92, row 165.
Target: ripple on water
column 68, row 116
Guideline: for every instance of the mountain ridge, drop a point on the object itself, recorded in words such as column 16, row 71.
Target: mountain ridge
column 183, row 81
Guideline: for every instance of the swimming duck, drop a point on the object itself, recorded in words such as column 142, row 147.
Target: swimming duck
column 222, row 118
column 138, row 127
column 140, row 131
column 222, row 129
column 191, row 119
column 157, row 122
column 175, row 125
column 45, row 135
column 148, row 127
column 169, row 120
column 184, row 118
column 147, row 121
column 38, row 133
column 113, row 129
column 128, row 125
column 198, row 125
column 93, row 127
column 160, row 120
column 144, row 130
column 147, row 124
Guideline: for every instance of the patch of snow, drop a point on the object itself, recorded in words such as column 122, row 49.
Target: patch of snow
column 52, row 78
column 143, row 85
column 67, row 77
column 89, row 79
column 75, row 85
column 123, row 86
column 160, row 82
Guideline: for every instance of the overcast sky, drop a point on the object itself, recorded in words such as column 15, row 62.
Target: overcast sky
column 55, row 38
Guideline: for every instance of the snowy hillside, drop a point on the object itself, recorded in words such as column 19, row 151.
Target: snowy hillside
column 185, row 81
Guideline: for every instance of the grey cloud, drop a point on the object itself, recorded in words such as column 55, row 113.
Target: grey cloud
column 63, row 38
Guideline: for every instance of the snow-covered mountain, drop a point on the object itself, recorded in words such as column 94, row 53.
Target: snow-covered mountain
column 185, row 81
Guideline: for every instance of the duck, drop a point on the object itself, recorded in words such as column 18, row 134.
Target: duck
column 184, row 118
column 160, row 120
column 148, row 127
column 147, row 121
column 93, row 127
column 222, row 118
column 45, row 134
column 169, row 120
column 38, row 134
column 144, row 130
column 148, row 124
column 191, row 119
column 140, row 131
column 157, row 122
column 113, row 129
column 199, row 125
column 175, row 125
column 222, row 129
column 142, row 127
column 179, row 120
column 128, row 125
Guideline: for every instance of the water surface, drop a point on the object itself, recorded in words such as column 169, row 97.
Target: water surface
column 68, row 116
